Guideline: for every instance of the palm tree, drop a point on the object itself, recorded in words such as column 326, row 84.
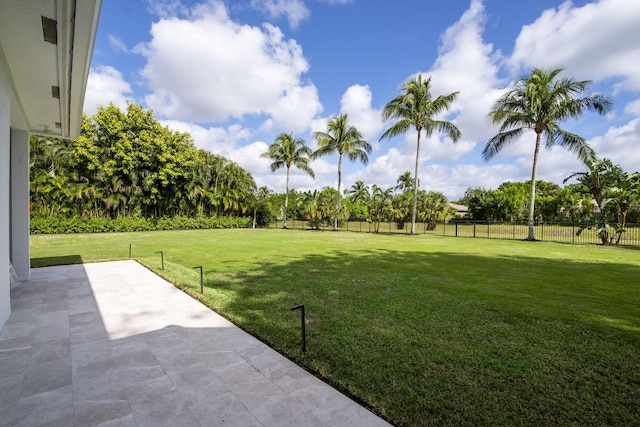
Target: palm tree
column 287, row 151
column 434, row 207
column 415, row 107
column 260, row 196
column 380, row 207
column 343, row 139
column 540, row 102
column 405, row 182
column 600, row 176
column 614, row 191
column 358, row 193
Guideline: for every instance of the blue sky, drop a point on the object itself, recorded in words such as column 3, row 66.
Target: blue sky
column 235, row 74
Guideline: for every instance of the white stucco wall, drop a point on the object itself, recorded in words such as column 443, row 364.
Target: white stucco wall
column 5, row 152
column 19, row 223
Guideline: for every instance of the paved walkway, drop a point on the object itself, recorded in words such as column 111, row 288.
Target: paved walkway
column 113, row 344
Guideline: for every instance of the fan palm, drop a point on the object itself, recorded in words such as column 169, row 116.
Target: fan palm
column 416, row 108
column 287, row 151
column 345, row 140
column 540, row 102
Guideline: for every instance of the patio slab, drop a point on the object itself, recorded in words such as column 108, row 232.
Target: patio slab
column 113, row 344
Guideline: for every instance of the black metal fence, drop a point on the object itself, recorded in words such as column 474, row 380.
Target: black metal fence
column 563, row 232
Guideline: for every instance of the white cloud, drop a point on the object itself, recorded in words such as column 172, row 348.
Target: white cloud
column 104, row 85
column 248, row 157
column 294, row 10
column 295, row 110
column 438, row 149
column 167, row 8
column 595, row 41
column 117, row 44
column 467, row 65
column 219, row 69
column 620, row 144
column 633, row 108
column 217, row 140
column 356, row 102
column 385, row 169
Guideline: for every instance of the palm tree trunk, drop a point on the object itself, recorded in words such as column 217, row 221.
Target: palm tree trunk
column 286, row 201
column 532, row 196
column 415, row 188
column 254, row 217
column 335, row 214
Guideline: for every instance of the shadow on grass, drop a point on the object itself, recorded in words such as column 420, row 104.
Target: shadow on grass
column 447, row 338
column 56, row 260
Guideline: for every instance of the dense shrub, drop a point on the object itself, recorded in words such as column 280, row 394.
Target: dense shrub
column 122, row 224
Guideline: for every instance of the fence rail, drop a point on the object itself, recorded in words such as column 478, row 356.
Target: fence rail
column 563, row 232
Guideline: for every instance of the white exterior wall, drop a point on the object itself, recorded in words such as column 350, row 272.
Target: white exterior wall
column 19, row 222
column 5, row 153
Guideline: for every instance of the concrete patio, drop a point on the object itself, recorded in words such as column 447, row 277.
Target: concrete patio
column 113, row 344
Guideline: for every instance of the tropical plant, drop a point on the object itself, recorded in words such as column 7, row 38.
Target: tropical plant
column 287, row 151
column 358, row 196
column 415, row 107
column 127, row 164
column 381, row 206
column 260, row 208
column 405, row 182
column 343, row 139
column 540, row 102
column 433, row 207
column 358, row 193
column 614, row 192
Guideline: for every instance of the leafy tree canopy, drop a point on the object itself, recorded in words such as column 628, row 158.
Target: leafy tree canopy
column 125, row 163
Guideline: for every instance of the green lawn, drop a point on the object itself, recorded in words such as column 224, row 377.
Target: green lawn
column 423, row 329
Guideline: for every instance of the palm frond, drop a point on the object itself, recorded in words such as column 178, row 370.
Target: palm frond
column 498, row 142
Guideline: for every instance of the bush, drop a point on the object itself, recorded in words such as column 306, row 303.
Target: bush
column 57, row 225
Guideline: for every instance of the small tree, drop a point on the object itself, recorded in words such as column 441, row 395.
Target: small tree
column 614, row 192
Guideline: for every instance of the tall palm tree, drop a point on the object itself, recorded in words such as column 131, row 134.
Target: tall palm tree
column 287, row 151
column 343, row 139
column 415, row 107
column 540, row 101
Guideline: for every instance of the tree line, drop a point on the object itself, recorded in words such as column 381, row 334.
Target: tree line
column 126, row 164
column 371, row 204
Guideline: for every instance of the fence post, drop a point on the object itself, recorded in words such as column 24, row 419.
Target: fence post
column 474, row 229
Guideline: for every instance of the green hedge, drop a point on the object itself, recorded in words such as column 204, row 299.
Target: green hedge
column 121, row 224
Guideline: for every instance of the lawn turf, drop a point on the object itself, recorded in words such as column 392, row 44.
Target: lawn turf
column 423, row 329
